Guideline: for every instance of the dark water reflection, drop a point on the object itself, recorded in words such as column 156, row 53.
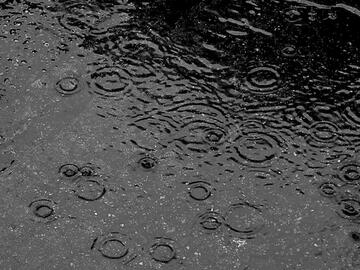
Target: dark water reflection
column 180, row 134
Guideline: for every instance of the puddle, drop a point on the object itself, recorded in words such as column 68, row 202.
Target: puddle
column 179, row 134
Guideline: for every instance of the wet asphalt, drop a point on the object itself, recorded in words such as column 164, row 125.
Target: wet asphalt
column 168, row 134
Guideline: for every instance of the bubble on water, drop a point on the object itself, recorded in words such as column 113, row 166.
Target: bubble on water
column 111, row 81
column 69, row 172
column 199, row 190
column 43, row 210
column 67, row 86
column 350, row 173
column 245, row 220
column 349, row 209
column 328, row 189
column 262, row 80
column 163, row 250
column 114, row 246
column 89, row 189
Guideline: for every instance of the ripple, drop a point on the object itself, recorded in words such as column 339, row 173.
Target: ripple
column 69, row 172
column 80, row 18
column 293, row 15
column 163, row 250
column 346, row 192
column 114, row 246
column 289, row 51
column 326, row 143
column 202, row 128
column 262, row 80
column 350, row 173
column 214, row 136
column 328, row 189
column 43, row 210
column 148, row 162
column 77, row 7
column 202, row 136
column 111, row 81
column 349, row 209
column 355, row 236
column 257, row 148
column 199, row 190
column 68, row 86
column 209, row 221
column 245, row 220
column 89, row 190
column 87, row 170
column 323, row 132
column 74, row 25
column 352, row 111
column 6, row 160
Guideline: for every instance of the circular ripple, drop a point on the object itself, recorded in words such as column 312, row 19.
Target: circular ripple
column 199, row 190
column 202, row 135
column 352, row 111
column 347, row 192
column 67, row 86
column 200, row 127
column 328, row 189
column 89, row 190
column 293, row 15
column 69, row 171
column 163, row 250
column 214, row 136
column 244, row 219
column 113, row 246
column 210, row 221
column 289, row 51
column 87, row 171
column 349, row 209
column 262, row 80
column 113, row 249
column 355, row 236
column 350, row 173
column 257, row 148
column 72, row 24
column 79, row 18
column 323, row 132
column 148, row 162
column 111, row 81
column 43, row 210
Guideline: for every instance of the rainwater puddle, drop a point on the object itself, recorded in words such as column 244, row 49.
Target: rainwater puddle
column 194, row 134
